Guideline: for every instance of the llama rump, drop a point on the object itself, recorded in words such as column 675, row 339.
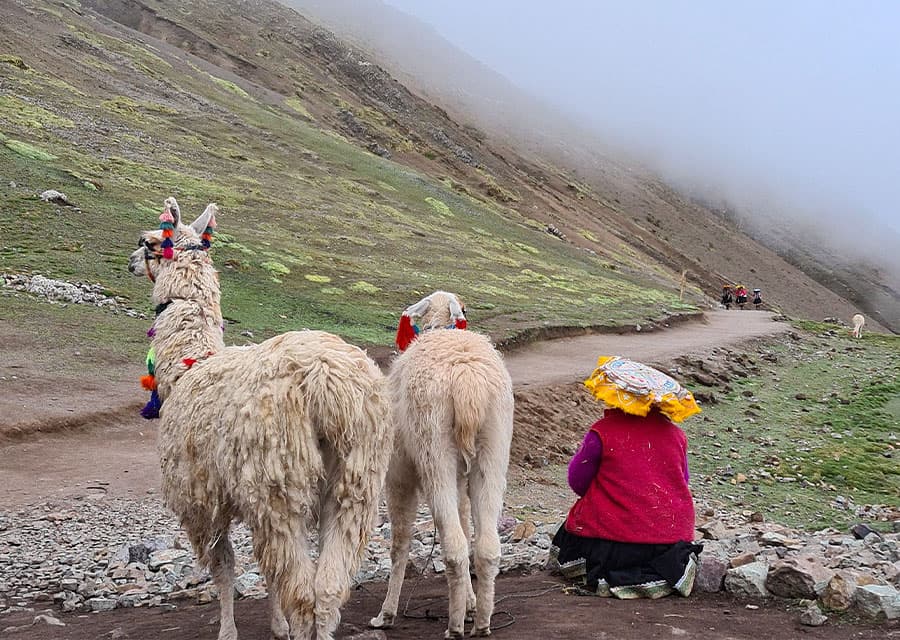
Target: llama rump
column 452, row 407
column 277, row 435
column 859, row 321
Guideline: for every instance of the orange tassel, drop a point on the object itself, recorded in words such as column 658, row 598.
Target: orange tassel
column 167, row 233
column 148, row 382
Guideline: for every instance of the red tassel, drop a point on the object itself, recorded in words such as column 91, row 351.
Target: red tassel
column 461, row 323
column 206, row 236
column 148, row 382
column 405, row 333
column 189, row 362
column 168, row 253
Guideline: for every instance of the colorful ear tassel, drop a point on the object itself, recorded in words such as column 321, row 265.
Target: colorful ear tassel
column 167, row 224
column 406, row 333
column 206, row 236
column 151, row 409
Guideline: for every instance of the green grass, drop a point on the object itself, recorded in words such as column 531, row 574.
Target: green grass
column 298, row 202
column 795, row 456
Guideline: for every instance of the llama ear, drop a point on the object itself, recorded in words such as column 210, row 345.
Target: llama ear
column 418, row 309
column 173, row 208
column 205, row 219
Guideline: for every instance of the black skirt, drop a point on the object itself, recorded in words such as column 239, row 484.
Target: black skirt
column 625, row 569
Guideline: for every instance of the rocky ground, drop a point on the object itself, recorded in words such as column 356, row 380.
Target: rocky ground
column 78, row 556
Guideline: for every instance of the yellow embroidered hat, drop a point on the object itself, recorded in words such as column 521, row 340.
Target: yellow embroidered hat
column 636, row 388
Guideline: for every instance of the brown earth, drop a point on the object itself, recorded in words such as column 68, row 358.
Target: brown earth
column 58, row 430
column 117, row 457
column 529, row 607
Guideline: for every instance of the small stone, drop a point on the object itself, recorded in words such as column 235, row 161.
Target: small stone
column 101, row 604
column 711, row 574
column 860, row 531
column 838, row 595
column 371, row 634
column 812, row 616
column 748, row 580
column 741, row 560
column 167, row 556
column 713, row 530
column 56, row 197
column 523, row 531
column 46, row 618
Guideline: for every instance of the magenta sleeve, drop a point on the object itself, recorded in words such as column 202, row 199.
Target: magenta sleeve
column 585, row 463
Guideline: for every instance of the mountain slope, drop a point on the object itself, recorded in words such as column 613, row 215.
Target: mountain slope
column 418, row 54
column 247, row 103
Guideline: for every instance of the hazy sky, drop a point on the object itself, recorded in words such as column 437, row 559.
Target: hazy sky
column 787, row 104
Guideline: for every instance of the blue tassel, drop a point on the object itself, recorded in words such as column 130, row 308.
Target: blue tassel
column 151, row 409
column 167, row 243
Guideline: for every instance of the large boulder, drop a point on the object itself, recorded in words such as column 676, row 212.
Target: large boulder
column 838, row 595
column 803, row 577
column 878, row 601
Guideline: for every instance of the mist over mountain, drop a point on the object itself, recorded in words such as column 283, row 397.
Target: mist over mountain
column 779, row 118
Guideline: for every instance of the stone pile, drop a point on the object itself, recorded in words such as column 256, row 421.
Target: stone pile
column 61, row 292
column 98, row 554
column 108, row 553
column 832, row 570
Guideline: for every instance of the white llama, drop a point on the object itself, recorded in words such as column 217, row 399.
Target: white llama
column 859, row 320
column 452, row 405
column 274, row 435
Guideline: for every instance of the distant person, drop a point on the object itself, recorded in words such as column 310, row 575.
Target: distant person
column 740, row 296
column 629, row 534
column 757, row 298
column 727, row 296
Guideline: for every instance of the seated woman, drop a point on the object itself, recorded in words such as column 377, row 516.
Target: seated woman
column 629, row 534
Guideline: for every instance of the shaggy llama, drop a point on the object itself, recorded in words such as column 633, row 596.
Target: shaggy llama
column 452, row 404
column 859, row 320
column 273, row 434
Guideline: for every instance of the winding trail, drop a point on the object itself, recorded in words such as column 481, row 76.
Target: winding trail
column 573, row 359
column 111, row 450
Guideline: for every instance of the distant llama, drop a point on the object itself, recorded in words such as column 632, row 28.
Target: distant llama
column 859, row 320
column 275, row 435
column 452, row 404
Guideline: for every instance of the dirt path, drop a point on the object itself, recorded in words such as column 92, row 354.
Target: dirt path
column 573, row 359
column 109, row 448
column 530, row 607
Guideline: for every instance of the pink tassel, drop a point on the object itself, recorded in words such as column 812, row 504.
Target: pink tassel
column 166, row 216
column 168, row 253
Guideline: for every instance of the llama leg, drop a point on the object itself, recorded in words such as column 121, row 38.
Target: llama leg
column 280, row 628
column 487, row 483
column 454, row 543
column 281, row 549
column 465, row 519
column 343, row 530
column 221, row 566
column 402, row 493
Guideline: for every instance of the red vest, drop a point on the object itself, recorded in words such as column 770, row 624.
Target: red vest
column 640, row 493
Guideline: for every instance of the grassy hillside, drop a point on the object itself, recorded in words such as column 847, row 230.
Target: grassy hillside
column 315, row 230
column 813, row 432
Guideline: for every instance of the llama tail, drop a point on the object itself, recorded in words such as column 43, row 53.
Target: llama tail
column 471, row 400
